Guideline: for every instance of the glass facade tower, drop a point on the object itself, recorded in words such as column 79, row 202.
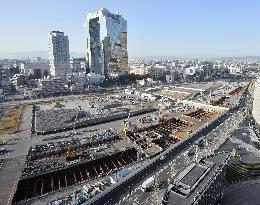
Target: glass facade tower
column 106, row 43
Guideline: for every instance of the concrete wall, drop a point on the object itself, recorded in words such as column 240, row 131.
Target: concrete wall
column 203, row 106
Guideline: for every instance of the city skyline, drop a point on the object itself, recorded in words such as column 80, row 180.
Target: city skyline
column 208, row 29
column 129, row 102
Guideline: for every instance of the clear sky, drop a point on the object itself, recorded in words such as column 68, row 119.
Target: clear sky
column 182, row 28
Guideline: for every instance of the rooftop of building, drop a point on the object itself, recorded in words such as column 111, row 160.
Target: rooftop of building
column 193, row 180
column 57, row 32
column 105, row 12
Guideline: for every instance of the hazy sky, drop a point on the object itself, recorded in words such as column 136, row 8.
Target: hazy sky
column 186, row 28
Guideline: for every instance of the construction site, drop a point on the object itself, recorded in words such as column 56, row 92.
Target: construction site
column 62, row 178
column 88, row 140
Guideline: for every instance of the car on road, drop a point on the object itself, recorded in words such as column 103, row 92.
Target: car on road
column 148, row 184
column 2, row 150
column 162, row 157
column 200, row 142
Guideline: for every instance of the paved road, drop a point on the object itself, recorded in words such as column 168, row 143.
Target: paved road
column 18, row 145
column 213, row 140
column 130, row 191
column 10, row 174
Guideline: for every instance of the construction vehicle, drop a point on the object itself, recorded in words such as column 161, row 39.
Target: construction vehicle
column 70, row 153
column 3, row 142
column 125, row 127
column 235, row 153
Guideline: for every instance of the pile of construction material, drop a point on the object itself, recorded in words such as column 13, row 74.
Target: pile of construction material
column 199, row 114
column 53, row 121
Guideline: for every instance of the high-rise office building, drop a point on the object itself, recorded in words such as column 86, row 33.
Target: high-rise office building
column 59, row 56
column 106, row 42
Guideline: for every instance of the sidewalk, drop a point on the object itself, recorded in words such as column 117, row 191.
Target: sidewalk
column 11, row 171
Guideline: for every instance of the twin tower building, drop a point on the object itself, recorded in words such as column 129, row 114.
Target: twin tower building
column 106, row 46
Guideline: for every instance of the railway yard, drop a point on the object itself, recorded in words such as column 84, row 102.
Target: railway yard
column 76, row 145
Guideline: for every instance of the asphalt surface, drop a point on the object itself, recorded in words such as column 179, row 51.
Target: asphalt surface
column 131, row 194
column 130, row 191
column 18, row 145
column 163, row 171
column 250, row 196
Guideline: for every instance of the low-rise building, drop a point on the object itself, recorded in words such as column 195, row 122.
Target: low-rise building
column 173, row 75
column 18, row 80
column 139, row 70
column 94, row 79
column 235, row 70
column 4, row 74
column 79, row 65
column 158, row 72
column 32, row 68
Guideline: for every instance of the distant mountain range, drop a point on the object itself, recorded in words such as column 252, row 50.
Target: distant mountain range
column 255, row 58
column 44, row 54
column 31, row 54
column 157, row 58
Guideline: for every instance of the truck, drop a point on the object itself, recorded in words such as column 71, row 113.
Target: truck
column 148, row 184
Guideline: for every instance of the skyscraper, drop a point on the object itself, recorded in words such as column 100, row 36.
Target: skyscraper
column 106, row 42
column 59, row 56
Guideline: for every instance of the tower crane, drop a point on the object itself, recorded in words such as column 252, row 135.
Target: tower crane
column 125, row 127
column 70, row 152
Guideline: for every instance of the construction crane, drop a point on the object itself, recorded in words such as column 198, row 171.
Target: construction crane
column 70, row 152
